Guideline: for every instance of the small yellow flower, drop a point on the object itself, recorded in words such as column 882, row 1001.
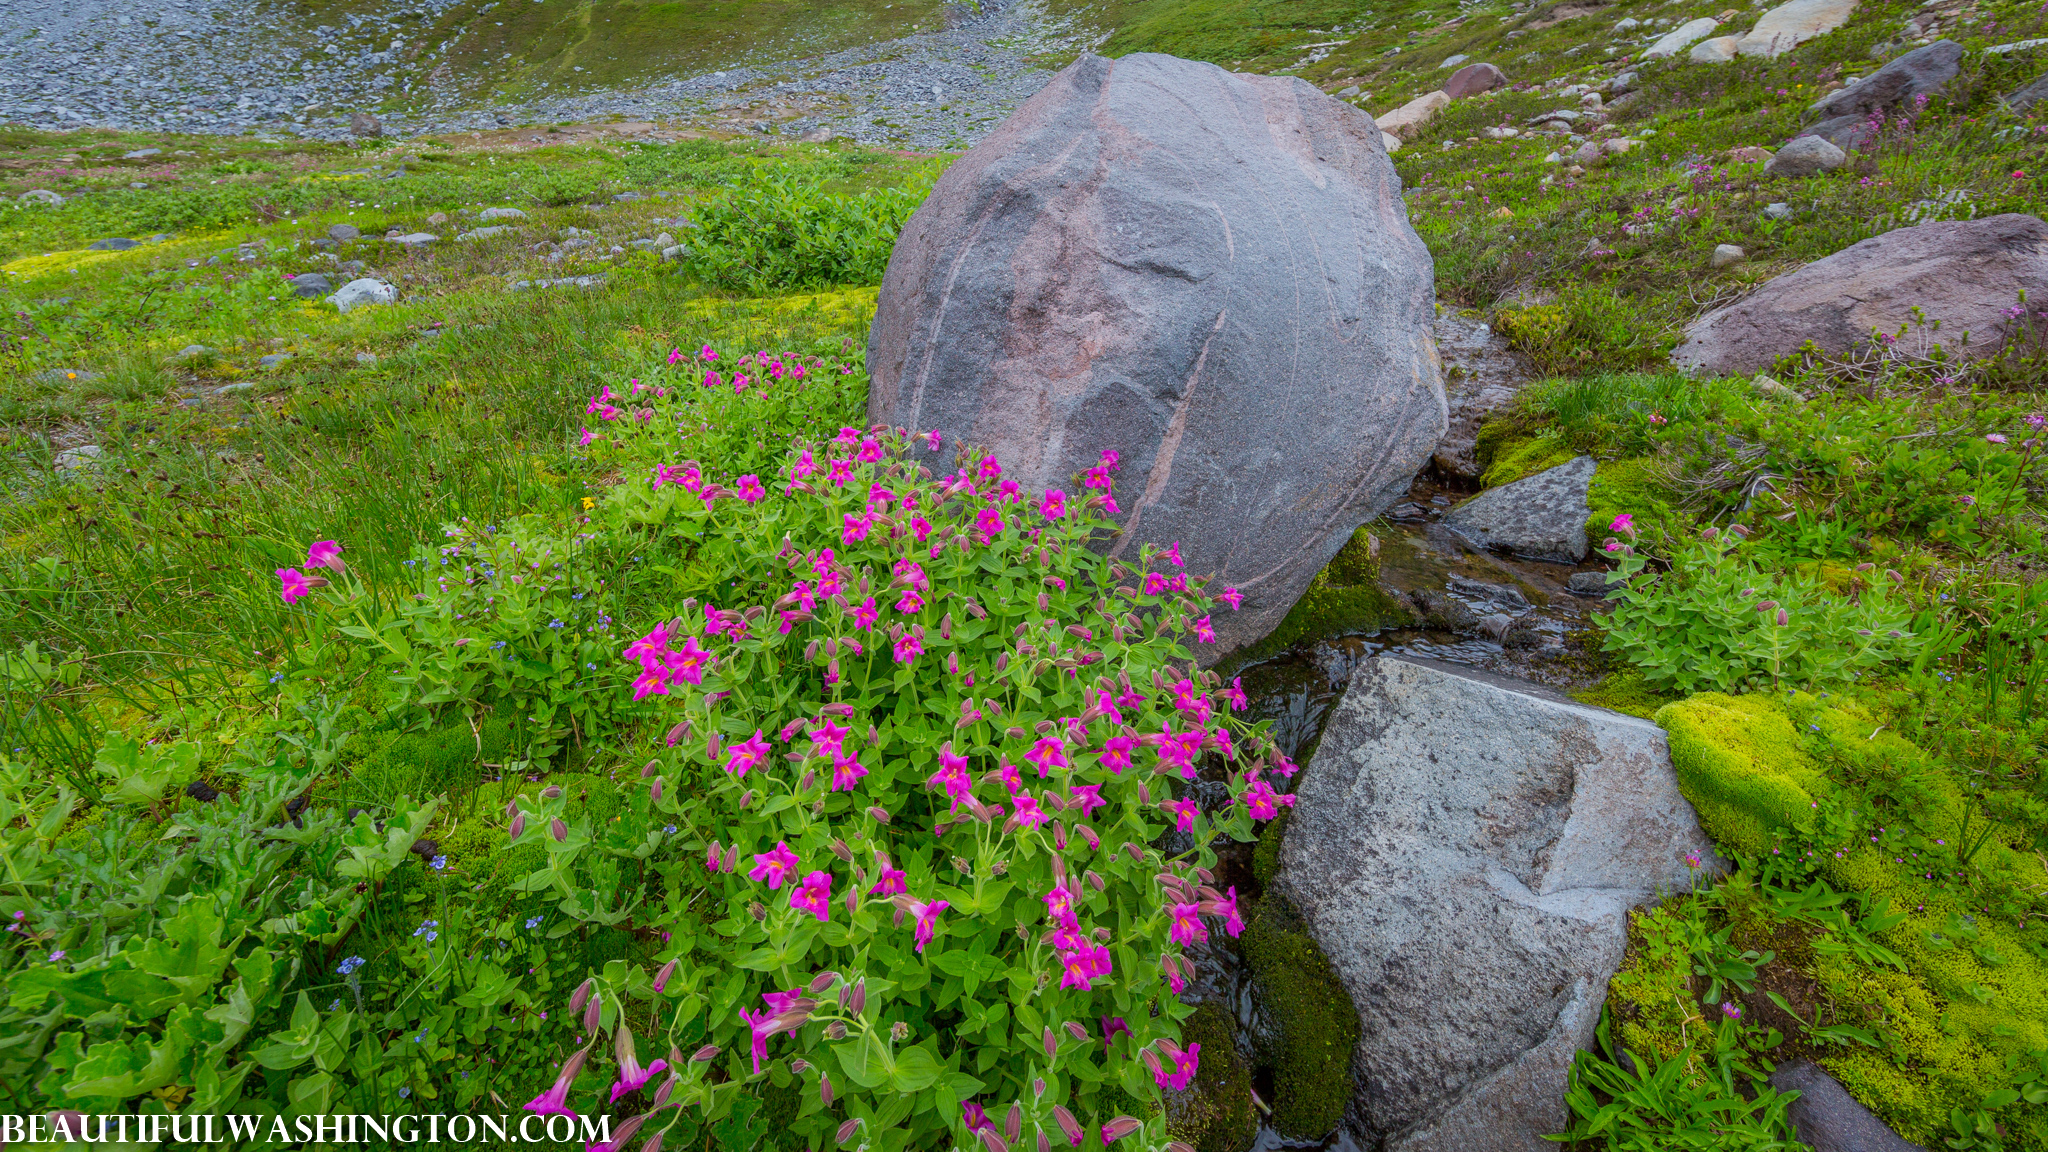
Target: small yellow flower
column 588, row 503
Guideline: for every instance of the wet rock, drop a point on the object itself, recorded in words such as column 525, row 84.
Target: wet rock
column 1964, row 273
column 1806, row 156
column 1314, row 1025
column 1482, row 376
column 1215, row 1113
column 1828, row 1118
column 1121, row 265
column 1845, row 115
column 1465, row 851
column 1443, row 612
column 1540, row 517
column 1473, row 79
column 358, row 293
column 1593, row 583
column 1680, row 38
column 1789, row 25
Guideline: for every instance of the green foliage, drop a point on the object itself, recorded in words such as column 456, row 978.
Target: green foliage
column 1589, row 325
column 782, row 231
column 1317, row 1023
column 1716, row 621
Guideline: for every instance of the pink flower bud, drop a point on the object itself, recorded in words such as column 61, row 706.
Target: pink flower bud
column 558, row 830
column 654, row 791
column 1052, row 1044
column 991, row 1141
column 1076, row 1031
column 667, row 970
column 704, row 1055
column 551, row 792
column 594, row 1014
column 858, row 1001
column 880, row 816
column 1119, row 1128
column 518, row 828
column 1068, row 1124
column 825, row 1089
column 823, row 981
column 679, row 733
column 847, row 1130
column 649, row 770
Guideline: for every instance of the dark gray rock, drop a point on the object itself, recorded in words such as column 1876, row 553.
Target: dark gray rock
column 1481, row 376
column 1210, row 273
column 1593, row 583
column 364, row 124
column 272, row 360
column 1540, row 517
column 1805, row 156
column 1465, row 851
column 1830, row 1119
column 309, row 284
column 114, row 244
column 1964, row 273
column 343, row 232
column 1473, row 79
column 1845, row 115
column 2023, row 101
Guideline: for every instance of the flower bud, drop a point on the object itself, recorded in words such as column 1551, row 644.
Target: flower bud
column 518, row 828
column 746, row 797
column 825, row 1089
column 799, row 1065
column 991, row 1141
column 558, row 830
column 1784, row 618
column 880, row 816
column 1119, row 1128
column 1075, row 1030
column 667, row 970
column 1044, row 1145
column 1002, row 662
column 1068, row 1124
column 847, row 1129
column 810, row 652
column 551, row 792
column 704, row 1055
column 649, row 770
column 654, row 791
column 1052, row 1043
column 823, row 981
column 1709, row 532
column 810, row 778
column 874, row 736
column 1037, row 1087
column 593, row 1015
column 512, row 807
column 836, row 1030
column 667, row 1088
column 858, row 1001
column 840, row 850
column 1094, row 880
column 679, row 733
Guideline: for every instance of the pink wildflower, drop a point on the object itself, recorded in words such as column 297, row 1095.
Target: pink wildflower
column 748, row 754
column 774, row 866
column 815, row 896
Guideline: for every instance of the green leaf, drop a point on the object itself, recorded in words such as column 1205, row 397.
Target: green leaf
column 916, row 1069
column 866, row 1063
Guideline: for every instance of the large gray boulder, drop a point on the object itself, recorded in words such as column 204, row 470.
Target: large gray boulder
column 1213, row 275
column 1805, row 156
column 2021, row 102
column 1897, row 87
column 1789, row 25
column 1465, row 850
column 1540, row 517
column 1473, row 79
column 1964, row 273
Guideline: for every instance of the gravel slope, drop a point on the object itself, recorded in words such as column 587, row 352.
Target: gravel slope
column 193, row 66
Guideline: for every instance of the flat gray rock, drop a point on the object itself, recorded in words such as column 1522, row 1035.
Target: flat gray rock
column 1964, row 273
column 1789, row 25
column 113, row 244
column 307, row 285
column 501, row 214
column 1828, row 1118
column 1540, row 517
column 1210, row 273
column 343, row 232
column 1465, row 850
column 2021, row 102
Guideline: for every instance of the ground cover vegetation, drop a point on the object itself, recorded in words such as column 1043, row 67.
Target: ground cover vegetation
column 540, row 696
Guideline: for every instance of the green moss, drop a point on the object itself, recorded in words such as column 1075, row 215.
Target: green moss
column 1215, row 1113
column 1513, row 460
column 1634, row 486
column 1344, row 599
column 449, row 758
column 1266, row 857
column 1317, row 1022
column 1651, row 994
column 1624, row 691
column 1740, row 764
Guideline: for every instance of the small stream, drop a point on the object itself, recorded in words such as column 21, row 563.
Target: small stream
column 1494, row 613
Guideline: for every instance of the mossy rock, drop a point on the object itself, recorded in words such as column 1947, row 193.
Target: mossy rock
column 1512, row 460
column 1740, row 763
column 1215, row 1113
column 1266, row 857
column 1318, row 1025
column 1624, row 691
column 1344, row 599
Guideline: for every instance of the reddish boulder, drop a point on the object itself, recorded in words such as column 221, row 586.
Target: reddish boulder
column 1473, row 79
column 1212, row 274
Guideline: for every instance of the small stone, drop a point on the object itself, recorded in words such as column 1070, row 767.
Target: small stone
column 141, row 153
column 1593, row 583
column 415, row 239
column 1540, row 517
column 358, row 293
column 231, row 389
column 273, row 360
column 364, row 124
column 1806, row 156
column 1768, row 386
column 65, row 376
column 1681, row 37
column 191, row 350
column 1778, row 211
column 1726, row 254
column 82, row 457
column 501, row 214
column 482, row 233
column 39, row 196
column 1553, row 158
column 343, row 232
column 1749, row 154
column 307, row 285
column 1620, row 145
column 366, row 357
column 1624, row 83
column 1589, row 153
column 817, row 136
column 1627, row 24
column 1454, row 61
column 438, row 218
column 114, row 244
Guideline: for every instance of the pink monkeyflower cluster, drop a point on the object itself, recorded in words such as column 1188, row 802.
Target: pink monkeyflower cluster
column 662, row 666
column 296, row 585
